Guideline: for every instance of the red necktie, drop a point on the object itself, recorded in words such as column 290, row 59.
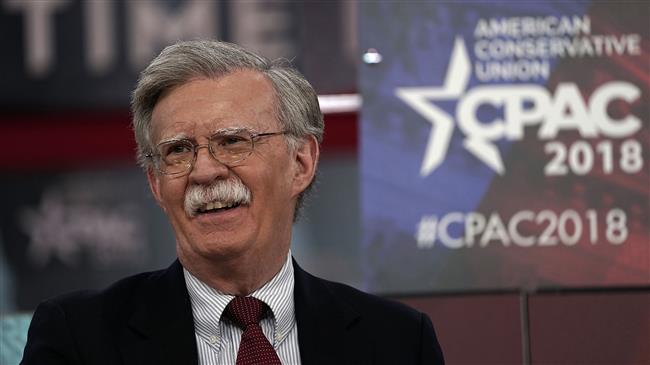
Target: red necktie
column 254, row 349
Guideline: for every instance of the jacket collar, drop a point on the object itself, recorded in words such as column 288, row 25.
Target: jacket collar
column 326, row 322
column 162, row 326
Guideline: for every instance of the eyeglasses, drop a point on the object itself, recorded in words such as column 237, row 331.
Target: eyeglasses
column 229, row 147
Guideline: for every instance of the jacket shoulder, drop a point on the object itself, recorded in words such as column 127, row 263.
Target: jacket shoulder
column 353, row 299
column 370, row 304
column 81, row 327
column 391, row 332
column 120, row 294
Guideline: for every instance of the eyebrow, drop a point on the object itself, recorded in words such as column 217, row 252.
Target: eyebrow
column 176, row 138
column 185, row 136
column 230, row 130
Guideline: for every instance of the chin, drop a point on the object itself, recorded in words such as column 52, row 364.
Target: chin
column 216, row 245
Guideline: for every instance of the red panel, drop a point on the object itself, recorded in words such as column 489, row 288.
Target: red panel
column 61, row 140
column 475, row 329
column 341, row 133
column 590, row 328
column 70, row 139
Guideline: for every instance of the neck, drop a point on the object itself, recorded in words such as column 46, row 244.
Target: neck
column 238, row 276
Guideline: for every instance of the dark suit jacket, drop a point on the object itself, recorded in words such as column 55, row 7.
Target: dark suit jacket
column 147, row 319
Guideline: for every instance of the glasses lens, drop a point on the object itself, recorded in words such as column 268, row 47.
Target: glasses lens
column 231, row 147
column 175, row 156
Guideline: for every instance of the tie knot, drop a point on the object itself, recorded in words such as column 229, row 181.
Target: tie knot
column 245, row 311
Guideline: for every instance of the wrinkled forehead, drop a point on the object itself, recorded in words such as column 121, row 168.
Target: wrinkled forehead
column 202, row 107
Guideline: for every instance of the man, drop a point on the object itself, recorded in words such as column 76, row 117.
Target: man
column 230, row 144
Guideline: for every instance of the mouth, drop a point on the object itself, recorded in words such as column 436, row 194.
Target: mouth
column 214, row 207
column 217, row 206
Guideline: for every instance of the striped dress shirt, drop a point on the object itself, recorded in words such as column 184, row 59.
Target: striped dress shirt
column 218, row 340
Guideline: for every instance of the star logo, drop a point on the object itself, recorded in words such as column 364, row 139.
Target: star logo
column 442, row 124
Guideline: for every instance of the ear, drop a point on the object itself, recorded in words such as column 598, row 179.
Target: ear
column 154, row 184
column 306, row 161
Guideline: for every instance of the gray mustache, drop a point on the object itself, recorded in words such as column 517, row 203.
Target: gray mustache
column 231, row 191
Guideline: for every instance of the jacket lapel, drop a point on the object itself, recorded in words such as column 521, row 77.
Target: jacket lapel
column 326, row 323
column 161, row 328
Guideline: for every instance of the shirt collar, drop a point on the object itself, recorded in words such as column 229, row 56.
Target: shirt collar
column 208, row 303
column 278, row 295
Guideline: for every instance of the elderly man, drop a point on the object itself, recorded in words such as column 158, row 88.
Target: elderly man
column 230, row 144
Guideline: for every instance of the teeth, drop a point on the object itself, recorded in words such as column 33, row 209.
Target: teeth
column 215, row 205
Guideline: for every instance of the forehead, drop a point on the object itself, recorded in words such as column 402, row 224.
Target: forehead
column 202, row 106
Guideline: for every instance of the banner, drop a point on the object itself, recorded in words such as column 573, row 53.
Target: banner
column 87, row 53
column 77, row 230
column 505, row 145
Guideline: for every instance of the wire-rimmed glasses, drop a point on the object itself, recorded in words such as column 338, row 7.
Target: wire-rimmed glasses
column 177, row 156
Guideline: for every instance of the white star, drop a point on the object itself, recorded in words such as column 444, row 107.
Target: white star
column 442, row 124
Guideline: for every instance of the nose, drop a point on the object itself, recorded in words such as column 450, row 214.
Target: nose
column 206, row 168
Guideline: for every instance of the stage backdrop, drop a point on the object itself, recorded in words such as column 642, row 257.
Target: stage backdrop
column 504, row 145
column 76, row 210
